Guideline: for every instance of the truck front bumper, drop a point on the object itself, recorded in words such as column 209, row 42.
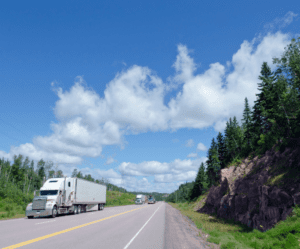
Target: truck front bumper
column 39, row 213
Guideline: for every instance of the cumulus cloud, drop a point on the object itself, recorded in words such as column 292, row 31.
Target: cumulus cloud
column 189, row 143
column 192, row 155
column 201, row 147
column 178, row 168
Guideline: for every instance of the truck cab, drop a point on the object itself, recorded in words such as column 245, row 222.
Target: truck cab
column 140, row 199
column 54, row 197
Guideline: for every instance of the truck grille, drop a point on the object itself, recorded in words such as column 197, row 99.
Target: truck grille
column 39, row 204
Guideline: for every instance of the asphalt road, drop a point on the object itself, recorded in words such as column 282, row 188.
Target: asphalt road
column 123, row 227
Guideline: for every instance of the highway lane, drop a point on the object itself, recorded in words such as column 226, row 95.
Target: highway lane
column 128, row 227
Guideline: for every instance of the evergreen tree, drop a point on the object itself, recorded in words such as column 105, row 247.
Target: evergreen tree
column 213, row 164
column 237, row 135
column 246, row 124
column 230, row 142
column 199, row 183
column 289, row 64
column 221, row 150
column 263, row 104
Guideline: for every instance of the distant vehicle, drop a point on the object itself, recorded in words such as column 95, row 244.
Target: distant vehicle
column 140, row 199
column 66, row 196
column 151, row 200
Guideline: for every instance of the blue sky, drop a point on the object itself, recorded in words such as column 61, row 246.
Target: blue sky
column 134, row 88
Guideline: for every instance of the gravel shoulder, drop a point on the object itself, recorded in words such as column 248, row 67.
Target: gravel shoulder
column 181, row 232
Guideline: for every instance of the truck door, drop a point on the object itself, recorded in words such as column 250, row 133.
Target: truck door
column 69, row 187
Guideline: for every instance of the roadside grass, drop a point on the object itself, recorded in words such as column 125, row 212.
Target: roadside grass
column 10, row 210
column 116, row 198
column 229, row 234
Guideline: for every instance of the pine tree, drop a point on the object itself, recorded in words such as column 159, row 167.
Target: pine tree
column 259, row 116
column 289, row 64
column 199, row 183
column 237, row 135
column 246, row 122
column 221, row 150
column 213, row 164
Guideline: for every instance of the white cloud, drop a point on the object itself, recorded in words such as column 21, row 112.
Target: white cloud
column 192, row 155
column 186, row 176
column 189, row 143
column 201, row 147
column 110, row 160
column 179, row 169
column 281, row 22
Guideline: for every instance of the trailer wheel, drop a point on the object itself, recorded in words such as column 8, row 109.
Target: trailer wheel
column 79, row 209
column 54, row 212
column 75, row 210
column 99, row 207
column 102, row 206
column 30, row 217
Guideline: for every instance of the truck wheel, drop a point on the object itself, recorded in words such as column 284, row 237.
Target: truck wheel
column 99, row 207
column 102, row 206
column 30, row 217
column 75, row 210
column 54, row 212
column 79, row 209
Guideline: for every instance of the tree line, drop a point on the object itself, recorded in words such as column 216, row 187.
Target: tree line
column 274, row 119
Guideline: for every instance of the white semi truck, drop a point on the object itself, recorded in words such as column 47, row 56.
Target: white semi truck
column 66, row 195
column 140, row 199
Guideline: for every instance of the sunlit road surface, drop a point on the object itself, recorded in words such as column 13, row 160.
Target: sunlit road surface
column 133, row 226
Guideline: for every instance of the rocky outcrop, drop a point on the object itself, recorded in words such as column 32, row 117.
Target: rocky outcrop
column 246, row 194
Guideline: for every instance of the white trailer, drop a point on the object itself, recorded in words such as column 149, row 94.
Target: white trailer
column 140, row 199
column 66, row 195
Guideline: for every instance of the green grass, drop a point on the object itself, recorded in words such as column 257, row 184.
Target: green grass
column 115, row 198
column 231, row 234
column 10, row 210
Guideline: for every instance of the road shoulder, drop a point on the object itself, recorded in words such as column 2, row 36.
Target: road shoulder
column 181, row 232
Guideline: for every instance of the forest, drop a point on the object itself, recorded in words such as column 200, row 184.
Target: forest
column 274, row 119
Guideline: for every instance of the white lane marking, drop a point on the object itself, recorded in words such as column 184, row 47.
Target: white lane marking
column 140, row 229
column 45, row 222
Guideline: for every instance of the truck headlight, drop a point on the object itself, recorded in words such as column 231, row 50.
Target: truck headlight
column 29, row 206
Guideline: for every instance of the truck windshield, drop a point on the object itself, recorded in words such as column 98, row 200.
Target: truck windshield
column 48, row 192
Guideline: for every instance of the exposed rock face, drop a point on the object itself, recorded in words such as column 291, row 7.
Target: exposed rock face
column 245, row 196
